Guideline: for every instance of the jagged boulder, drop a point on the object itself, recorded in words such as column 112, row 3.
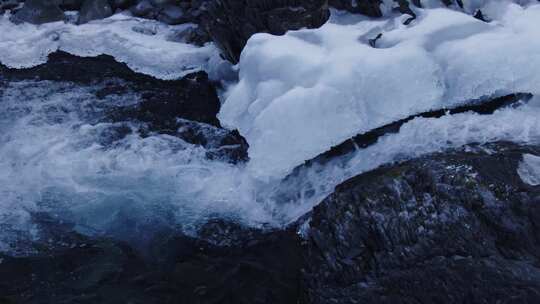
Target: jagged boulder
column 38, row 12
column 453, row 227
column 231, row 23
column 94, row 10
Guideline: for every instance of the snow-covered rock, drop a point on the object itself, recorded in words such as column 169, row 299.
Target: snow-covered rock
column 144, row 45
column 304, row 92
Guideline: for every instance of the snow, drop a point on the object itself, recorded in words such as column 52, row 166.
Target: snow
column 144, row 45
column 304, row 92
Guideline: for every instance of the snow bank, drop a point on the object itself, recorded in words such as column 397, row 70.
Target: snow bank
column 142, row 44
column 304, row 92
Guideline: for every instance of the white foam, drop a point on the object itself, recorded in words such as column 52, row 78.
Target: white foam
column 27, row 45
column 301, row 93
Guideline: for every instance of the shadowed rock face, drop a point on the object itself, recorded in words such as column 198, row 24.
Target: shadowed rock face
column 455, row 227
column 94, row 10
column 38, row 12
column 230, row 23
column 366, row 7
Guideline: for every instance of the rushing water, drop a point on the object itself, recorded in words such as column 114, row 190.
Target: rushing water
column 59, row 155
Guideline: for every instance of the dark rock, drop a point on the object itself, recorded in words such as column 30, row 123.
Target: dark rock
column 373, row 42
column 185, row 108
column 144, row 9
column 192, row 35
column 370, row 8
column 38, row 12
column 403, row 7
column 161, row 3
column 453, row 227
column 8, row 4
column 480, row 16
column 181, row 269
column 230, row 23
column 193, row 97
column 121, row 4
column 172, row 14
column 71, row 5
column 94, row 10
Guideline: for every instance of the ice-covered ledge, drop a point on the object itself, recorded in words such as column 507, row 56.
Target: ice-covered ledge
column 144, row 45
column 302, row 93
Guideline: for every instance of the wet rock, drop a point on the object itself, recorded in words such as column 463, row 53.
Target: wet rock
column 192, row 35
column 94, row 10
column 121, row 4
column 71, row 5
column 8, row 4
column 172, row 14
column 192, row 97
column 480, row 16
column 144, row 9
column 38, row 12
column 230, row 23
column 185, row 108
column 365, row 7
column 181, row 269
column 452, row 227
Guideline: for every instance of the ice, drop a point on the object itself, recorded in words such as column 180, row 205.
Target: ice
column 304, row 92
column 529, row 169
column 144, row 45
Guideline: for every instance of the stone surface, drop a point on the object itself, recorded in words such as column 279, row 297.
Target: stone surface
column 144, row 9
column 181, row 269
column 38, row 12
column 71, row 5
column 94, row 10
column 185, row 108
column 230, row 23
column 365, row 7
column 455, row 227
column 172, row 14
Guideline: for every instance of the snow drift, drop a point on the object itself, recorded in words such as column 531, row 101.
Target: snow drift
column 304, row 92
